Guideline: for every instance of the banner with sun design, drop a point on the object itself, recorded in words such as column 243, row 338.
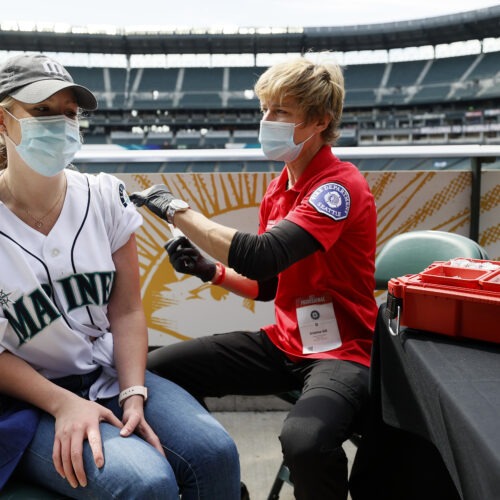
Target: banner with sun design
column 181, row 306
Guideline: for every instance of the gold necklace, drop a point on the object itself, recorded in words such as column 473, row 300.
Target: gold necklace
column 38, row 221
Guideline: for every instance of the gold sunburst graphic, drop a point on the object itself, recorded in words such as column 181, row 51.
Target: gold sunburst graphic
column 165, row 291
column 409, row 200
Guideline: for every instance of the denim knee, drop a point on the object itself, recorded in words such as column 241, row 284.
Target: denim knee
column 133, row 485
column 218, row 466
column 225, row 450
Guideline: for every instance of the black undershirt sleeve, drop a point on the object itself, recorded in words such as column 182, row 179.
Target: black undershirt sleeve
column 262, row 257
column 267, row 289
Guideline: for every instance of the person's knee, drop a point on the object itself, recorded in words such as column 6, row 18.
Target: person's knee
column 213, row 465
column 223, row 450
column 155, row 486
column 304, row 444
column 134, row 479
column 228, row 448
column 299, row 444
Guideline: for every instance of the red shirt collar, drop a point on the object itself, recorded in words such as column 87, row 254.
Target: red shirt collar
column 323, row 157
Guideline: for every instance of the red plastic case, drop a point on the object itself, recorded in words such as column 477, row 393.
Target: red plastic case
column 491, row 282
column 455, row 301
column 453, row 276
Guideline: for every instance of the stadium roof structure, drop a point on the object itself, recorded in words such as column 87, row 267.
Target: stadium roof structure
column 471, row 25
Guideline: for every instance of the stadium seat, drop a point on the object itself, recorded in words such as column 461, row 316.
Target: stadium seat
column 216, row 139
column 186, row 139
column 95, row 168
column 364, row 76
column 404, row 164
column 201, row 100
column 242, row 102
column 259, row 166
column 241, row 79
column 202, row 79
column 177, row 166
column 412, row 252
column 160, row 140
column 203, row 167
column 231, row 167
column 142, row 168
column 92, row 78
column 126, row 138
column 371, row 163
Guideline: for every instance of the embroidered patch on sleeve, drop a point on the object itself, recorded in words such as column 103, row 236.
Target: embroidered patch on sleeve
column 123, row 195
column 331, row 199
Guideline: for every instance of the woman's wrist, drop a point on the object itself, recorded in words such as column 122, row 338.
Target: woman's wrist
column 134, row 390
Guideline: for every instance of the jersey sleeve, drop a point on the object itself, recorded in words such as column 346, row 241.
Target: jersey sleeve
column 121, row 217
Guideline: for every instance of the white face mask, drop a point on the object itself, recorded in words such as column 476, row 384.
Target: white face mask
column 48, row 143
column 276, row 139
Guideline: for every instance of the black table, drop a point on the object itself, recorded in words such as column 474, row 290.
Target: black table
column 434, row 430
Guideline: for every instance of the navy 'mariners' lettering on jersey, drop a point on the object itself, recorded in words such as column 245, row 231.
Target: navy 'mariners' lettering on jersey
column 33, row 312
column 30, row 314
column 87, row 288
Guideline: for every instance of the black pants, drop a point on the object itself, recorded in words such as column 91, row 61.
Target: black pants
column 334, row 395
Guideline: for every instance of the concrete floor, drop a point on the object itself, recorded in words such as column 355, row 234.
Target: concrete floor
column 256, row 435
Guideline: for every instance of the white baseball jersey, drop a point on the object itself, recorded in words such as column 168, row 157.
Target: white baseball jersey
column 54, row 289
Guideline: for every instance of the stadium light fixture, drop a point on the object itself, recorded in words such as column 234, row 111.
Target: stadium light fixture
column 61, row 28
column 491, row 44
column 26, row 26
column 9, row 26
column 103, row 29
column 79, row 30
column 230, row 30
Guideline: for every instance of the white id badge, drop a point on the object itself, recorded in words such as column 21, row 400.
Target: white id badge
column 317, row 324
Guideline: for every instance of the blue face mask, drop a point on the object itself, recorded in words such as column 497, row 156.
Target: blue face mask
column 48, row 143
column 276, row 139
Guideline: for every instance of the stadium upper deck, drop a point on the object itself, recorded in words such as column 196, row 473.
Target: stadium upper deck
column 475, row 24
column 445, row 100
column 408, row 83
column 458, row 98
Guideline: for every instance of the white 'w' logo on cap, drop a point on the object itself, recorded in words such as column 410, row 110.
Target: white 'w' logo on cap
column 53, row 68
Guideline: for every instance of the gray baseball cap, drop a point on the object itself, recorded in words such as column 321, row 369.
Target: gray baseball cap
column 32, row 78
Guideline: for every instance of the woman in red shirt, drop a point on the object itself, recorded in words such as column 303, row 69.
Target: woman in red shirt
column 314, row 256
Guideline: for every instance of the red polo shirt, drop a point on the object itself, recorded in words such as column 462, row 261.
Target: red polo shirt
column 331, row 201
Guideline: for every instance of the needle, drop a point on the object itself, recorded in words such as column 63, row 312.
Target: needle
column 175, row 231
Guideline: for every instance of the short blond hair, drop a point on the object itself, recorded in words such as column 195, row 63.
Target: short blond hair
column 318, row 90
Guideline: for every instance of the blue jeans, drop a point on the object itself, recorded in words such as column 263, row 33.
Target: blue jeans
column 202, row 461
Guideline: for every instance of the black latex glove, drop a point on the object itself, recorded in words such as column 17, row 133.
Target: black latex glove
column 186, row 258
column 157, row 198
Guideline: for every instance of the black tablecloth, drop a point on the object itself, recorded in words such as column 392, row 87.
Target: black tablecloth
column 434, row 429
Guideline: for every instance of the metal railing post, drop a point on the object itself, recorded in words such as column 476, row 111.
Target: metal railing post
column 475, row 198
